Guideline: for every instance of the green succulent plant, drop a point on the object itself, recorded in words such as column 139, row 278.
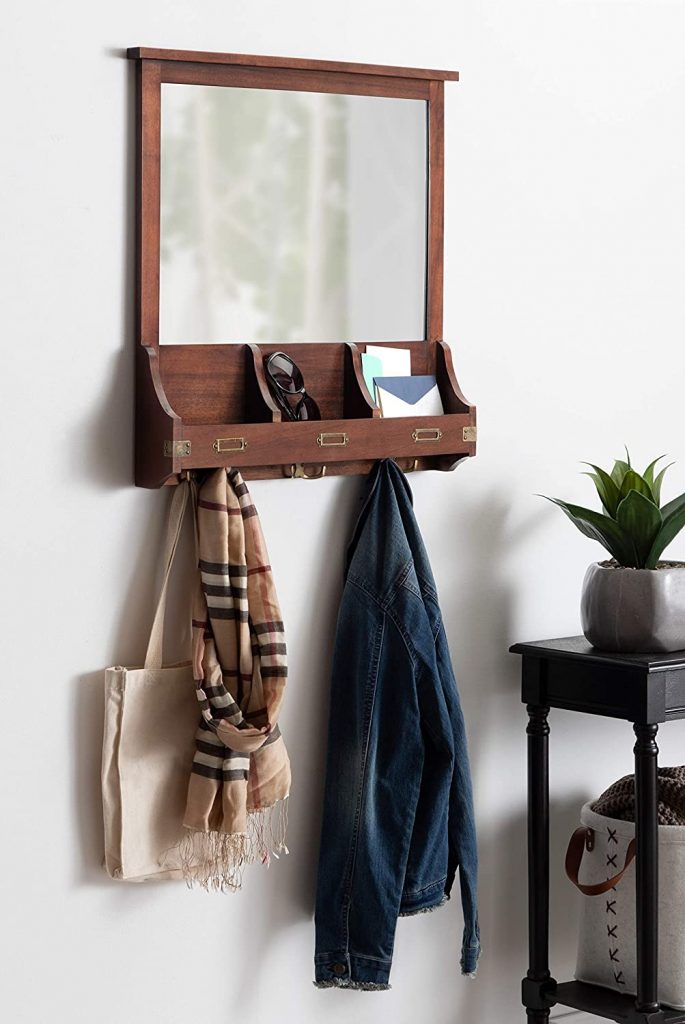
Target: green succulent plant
column 633, row 525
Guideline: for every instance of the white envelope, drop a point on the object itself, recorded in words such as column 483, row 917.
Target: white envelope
column 408, row 396
column 395, row 362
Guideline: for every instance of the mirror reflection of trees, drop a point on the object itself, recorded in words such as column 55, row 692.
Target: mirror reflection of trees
column 291, row 216
column 254, row 219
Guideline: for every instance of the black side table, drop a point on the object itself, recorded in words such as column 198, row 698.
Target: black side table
column 644, row 689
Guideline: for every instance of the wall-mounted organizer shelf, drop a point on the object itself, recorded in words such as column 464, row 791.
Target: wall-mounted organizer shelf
column 201, row 406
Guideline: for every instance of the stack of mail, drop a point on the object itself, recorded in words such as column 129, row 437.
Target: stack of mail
column 387, row 373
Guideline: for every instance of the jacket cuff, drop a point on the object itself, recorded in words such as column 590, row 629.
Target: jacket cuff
column 469, row 959
column 342, row 970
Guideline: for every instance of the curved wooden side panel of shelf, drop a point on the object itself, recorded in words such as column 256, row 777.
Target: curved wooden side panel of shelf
column 358, row 403
column 453, row 399
column 157, row 425
column 256, row 387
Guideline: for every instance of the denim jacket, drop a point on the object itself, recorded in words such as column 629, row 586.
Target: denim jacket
column 398, row 810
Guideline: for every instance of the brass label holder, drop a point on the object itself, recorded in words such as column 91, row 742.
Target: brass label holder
column 229, row 444
column 336, row 440
column 422, row 434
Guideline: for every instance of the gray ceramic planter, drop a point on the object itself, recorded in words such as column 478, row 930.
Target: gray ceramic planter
column 633, row 610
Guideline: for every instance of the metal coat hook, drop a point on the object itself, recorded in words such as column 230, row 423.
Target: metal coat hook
column 413, row 465
column 296, row 471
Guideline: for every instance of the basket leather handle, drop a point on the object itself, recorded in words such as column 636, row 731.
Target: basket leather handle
column 574, row 856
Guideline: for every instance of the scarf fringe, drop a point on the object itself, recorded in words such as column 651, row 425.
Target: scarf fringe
column 215, row 860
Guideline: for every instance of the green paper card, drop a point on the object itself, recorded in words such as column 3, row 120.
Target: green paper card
column 371, row 367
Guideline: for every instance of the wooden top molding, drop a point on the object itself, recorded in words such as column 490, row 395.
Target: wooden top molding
column 294, row 63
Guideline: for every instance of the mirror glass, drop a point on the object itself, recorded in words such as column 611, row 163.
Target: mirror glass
column 291, row 216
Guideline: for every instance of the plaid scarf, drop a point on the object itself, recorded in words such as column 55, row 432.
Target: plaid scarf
column 236, row 812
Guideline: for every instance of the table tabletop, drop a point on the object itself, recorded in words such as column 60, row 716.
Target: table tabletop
column 570, row 673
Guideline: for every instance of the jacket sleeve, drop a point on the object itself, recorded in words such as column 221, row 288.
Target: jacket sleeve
column 463, row 852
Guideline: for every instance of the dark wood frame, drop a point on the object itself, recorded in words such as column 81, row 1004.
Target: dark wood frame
column 203, row 406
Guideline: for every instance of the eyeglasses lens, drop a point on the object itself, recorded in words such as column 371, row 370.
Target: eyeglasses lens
column 307, row 409
column 289, row 382
column 285, row 373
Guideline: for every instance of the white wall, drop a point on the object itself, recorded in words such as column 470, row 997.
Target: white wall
column 564, row 265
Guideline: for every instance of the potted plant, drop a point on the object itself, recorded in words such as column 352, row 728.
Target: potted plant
column 633, row 602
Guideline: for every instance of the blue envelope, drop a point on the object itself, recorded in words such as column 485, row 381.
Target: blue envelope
column 408, row 396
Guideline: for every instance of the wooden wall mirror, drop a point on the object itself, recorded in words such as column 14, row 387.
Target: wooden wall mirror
column 286, row 203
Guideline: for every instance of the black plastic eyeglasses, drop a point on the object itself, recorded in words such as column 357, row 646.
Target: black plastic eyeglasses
column 287, row 385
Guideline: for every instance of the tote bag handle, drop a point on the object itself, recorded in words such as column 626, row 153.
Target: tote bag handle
column 574, row 856
column 177, row 509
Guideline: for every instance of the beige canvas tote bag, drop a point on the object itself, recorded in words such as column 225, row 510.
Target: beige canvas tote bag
column 151, row 715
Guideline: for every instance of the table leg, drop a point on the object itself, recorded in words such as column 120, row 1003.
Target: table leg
column 537, row 1007
column 646, row 868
